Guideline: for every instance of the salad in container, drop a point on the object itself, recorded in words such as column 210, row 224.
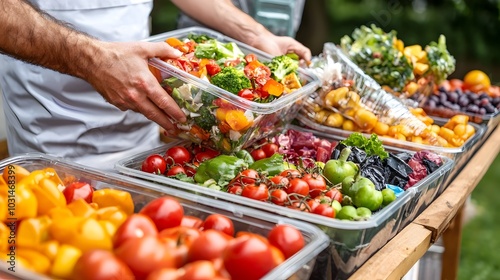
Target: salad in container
column 231, row 93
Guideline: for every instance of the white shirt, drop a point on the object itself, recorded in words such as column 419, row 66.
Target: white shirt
column 62, row 115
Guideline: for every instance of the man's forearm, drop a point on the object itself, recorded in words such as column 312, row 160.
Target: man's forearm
column 222, row 15
column 37, row 38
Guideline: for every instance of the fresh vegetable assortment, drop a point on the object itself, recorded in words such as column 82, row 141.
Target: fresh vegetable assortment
column 224, row 120
column 300, row 171
column 67, row 229
column 401, row 69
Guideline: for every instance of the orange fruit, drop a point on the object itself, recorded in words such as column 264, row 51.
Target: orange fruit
column 476, row 81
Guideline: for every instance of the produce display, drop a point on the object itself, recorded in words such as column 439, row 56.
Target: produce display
column 403, row 70
column 67, row 229
column 230, row 97
column 348, row 180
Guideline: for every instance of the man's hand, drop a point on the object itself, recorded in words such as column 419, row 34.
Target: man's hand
column 121, row 75
column 278, row 45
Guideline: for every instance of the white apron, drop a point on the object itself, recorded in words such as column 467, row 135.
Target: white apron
column 62, row 115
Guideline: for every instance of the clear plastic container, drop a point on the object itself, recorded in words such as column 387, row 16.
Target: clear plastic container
column 298, row 266
column 352, row 242
column 268, row 118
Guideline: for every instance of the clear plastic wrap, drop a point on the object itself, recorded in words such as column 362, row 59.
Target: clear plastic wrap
column 346, row 90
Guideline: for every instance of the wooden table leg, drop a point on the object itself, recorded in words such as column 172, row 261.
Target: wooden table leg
column 452, row 238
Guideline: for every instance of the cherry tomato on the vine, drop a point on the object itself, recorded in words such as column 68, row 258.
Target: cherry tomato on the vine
column 258, row 154
column 177, row 155
column 270, row 149
column 176, row 169
column 316, row 182
column 257, row 192
column 324, row 210
column 279, row 197
column 298, row 186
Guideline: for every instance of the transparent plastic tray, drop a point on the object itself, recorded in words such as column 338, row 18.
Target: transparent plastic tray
column 269, row 118
column 352, row 243
column 298, row 266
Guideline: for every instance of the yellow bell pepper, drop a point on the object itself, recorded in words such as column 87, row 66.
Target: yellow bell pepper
column 64, row 229
column 39, row 263
column 14, row 173
column 91, row 235
column 33, row 232
column 108, row 227
column 48, row 195
column 60, row 213
column 21, row 204
column 49, row 249
column 112, row 214
column 65, row 261
column 81, row 208
column 113, row 197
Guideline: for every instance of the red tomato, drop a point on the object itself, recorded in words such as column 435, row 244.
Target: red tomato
column 219, row 222
column 191, row 221
column 100, row 265
column 212, row 68
column 154, row 164
column 258, row 154
column 279, row 197
column 248, row 257
column 246, row 177
column 176, row 169
column 291, row 173
column 236, row 189
column 298, row 186
column 209, row 245
column 280, row 181
column 166, row 212
column 177, row 154
column 198, row 270
column 190, row 169
column 257, row 71
column 316, row 182
column 246, row 93
column 181, row 234
column 257, row 192
column 325, row 210
column 286, row 238
column 334, row 194
column 270, row 149
column 250, row 57
column 135, row 226
column 312, row 204
column 202, row 156
column 145, row 255
column 77, row 190
column 164, row 274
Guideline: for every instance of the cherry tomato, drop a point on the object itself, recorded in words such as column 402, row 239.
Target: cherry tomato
column 248, row 257
column 325, row 210
column 235, row 188
column 246, row 93
column 270, row 149
column 191, row 221
column 145, row 255
column 190, row 169
column 100, row 265
column 176, row 169
column 257, row 71
column 209, row 245
column 181, row 235
column 257, row 192
column 166, row 212
column 177, row 155
column 334, row 194
column 154, row 164
column 316, row 182
column 163, row 274
column 280, row 181
column 202, row 156
column 246, row 177
column 291, row 173
column 286, row 238
column 219, row 222
column 198, row 270
column 258, row 154
column 298, row 186
column 279, row 197
column 312, row 204
column 77, row 190
column 135, row 226
column 250, row 57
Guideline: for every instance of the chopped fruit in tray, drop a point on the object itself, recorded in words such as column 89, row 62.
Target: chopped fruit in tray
column 98, row 235
column 295, row 169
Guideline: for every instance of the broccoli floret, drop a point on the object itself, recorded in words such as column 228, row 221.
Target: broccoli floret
column 206, row 119
column 231, row 79
column 213, row 49
column 207, row 98
column 281, row 66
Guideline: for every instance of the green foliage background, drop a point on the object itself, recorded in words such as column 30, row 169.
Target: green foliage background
column 472, row 29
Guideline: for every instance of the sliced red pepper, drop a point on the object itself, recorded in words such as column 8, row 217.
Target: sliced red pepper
column 212, row 68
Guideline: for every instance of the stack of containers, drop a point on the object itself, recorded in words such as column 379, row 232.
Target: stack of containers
column 299, row 266
column 371, row 93
column 351, row 242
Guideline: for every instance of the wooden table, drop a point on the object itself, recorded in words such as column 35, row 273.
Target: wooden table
column 443, row 218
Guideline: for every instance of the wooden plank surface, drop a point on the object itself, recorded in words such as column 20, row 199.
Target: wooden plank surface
column 396, row 258
column 439, row 214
